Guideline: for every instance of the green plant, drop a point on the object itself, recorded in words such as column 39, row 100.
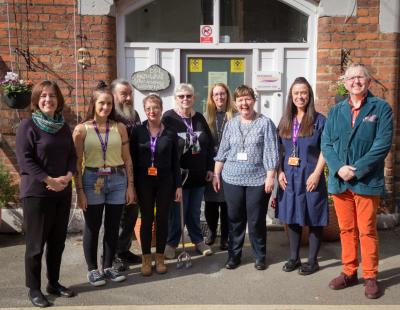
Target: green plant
column 11, row 85
column 341, row 88
column 7, row 187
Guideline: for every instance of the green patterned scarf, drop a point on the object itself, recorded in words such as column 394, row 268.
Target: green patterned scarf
column 46, row 123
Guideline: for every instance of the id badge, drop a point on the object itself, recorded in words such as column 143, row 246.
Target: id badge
column 293, row 161
column 104, row 171
column 241, row 156
column 152, row 171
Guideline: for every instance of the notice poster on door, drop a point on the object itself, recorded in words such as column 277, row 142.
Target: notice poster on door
column 217, row 77
column 268, row 80
column 196, row 65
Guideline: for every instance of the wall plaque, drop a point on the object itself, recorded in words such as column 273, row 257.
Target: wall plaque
column 154, row 78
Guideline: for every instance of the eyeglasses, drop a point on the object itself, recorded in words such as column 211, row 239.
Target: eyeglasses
column 219, row 94
column 184, row 96
column 357, row 77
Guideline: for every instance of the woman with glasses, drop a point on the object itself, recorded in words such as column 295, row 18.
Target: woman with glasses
column 196, row 149
column 106, row 183
column 158, row 180
column 247, row 158
column 302, row 196
column 219, row 111
column 46, row 158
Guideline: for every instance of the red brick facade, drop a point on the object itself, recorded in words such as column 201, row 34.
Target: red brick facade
column 48, row 30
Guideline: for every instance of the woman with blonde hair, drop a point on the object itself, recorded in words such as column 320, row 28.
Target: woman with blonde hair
column 219, row 110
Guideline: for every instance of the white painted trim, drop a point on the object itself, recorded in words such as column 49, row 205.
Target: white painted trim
column 221, row 46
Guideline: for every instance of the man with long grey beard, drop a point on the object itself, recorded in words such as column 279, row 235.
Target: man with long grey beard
column 126, row 114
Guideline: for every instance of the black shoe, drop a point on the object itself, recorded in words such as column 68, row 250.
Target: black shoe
column 307, row 268
column 223, row 245
column 37, row 299
column 291, row 265
column 232, row 263
column 211, row 239
column 59, row 290
column 129, row 258
column 260, row 264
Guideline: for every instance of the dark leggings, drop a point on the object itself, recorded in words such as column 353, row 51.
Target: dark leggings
column 153, row 192
column 93, row 220
column 213, row 211
column 315, row 238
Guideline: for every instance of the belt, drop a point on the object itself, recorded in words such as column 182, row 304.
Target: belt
column 117, row 169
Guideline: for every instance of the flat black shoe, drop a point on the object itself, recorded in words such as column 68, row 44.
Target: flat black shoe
column 211, row 239
column 260, row 264
column 306, row 268
column 291, row 265
column 38, row 299
column 59, row 290
column 232, row 263
column 223, row 245
column 129, row 258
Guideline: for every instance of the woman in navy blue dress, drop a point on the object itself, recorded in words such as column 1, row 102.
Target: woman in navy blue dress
column 302, row 196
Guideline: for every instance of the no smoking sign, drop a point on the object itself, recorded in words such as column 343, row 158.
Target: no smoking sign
column 206, row 33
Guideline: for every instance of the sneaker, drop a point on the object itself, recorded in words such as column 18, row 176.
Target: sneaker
column 169, row 252
column 114, row 275
column 203, row 249
column 96, row 278
column 372, row 289
column 343, row 281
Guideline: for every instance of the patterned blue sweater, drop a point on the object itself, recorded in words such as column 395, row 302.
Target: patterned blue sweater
column 260, row 145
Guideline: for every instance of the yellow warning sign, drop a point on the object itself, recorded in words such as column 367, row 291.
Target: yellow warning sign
column 195, row 65
column 237, row 65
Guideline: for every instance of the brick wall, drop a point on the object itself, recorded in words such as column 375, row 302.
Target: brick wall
column 48, row 30
column 380, row 52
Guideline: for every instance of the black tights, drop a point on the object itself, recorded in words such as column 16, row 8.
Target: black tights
column 93, row 219
column 315, row 238
column 213, row 211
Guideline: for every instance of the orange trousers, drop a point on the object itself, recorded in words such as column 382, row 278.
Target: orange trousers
column 357, row 221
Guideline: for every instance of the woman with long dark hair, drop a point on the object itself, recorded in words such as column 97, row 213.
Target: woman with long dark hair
column 219, row 110
column 302, row 197
column 106, row 184
column 47, row 160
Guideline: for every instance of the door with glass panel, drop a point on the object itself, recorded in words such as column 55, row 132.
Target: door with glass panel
column 204, row 70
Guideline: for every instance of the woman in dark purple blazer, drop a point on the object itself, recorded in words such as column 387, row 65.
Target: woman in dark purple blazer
column 47, row 160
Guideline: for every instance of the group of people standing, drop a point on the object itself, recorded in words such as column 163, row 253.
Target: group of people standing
column 230, row 157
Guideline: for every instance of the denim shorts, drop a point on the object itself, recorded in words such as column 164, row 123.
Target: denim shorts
column 113, row 191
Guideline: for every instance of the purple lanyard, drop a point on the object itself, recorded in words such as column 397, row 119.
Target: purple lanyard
column 189, row 127
column 296, row 129
column 153, row 144
column 103, row 143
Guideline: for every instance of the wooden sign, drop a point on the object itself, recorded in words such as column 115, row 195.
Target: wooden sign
column 154, row 78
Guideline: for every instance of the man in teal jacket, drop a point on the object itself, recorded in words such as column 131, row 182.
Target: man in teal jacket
column 356, row 139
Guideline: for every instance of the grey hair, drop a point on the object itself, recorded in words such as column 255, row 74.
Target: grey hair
column 117, row 82
column 357, row 65
column 184, row 87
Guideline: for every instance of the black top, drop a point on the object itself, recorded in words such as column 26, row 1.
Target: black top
column 199, row 162
column 129, row 124
column 41, row 154
column 166, row 158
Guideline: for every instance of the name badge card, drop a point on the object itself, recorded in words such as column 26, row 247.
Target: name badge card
column 152, row 171
column 104, row 171
column 241, row 156
column 293, row 161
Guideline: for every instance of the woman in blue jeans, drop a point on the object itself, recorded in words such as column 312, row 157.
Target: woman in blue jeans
column 106, row 184
column 196, row 147
column 248, row 158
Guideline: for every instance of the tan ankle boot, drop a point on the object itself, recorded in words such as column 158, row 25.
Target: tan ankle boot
column 146, row 265
column 160, row 266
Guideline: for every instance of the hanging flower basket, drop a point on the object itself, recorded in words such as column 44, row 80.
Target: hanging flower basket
column 17, row 93
column 18, row 100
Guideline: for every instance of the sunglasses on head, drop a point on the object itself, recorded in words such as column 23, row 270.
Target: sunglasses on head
column 183, row 96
